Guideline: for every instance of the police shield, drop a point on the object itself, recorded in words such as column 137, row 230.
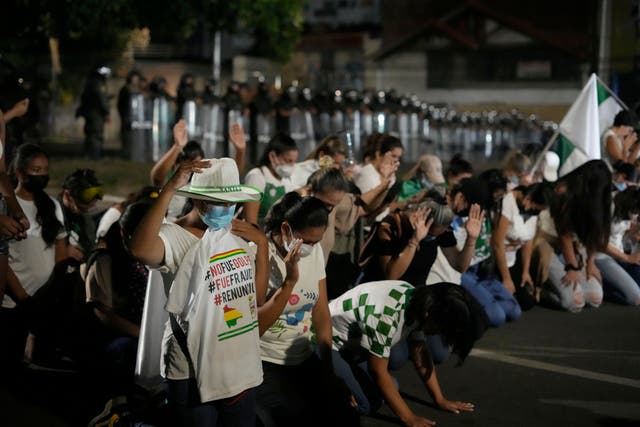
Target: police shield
column 160, row 127
column 140, row 130
column 301, row 130
column 212, row 122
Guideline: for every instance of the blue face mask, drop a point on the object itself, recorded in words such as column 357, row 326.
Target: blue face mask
column 218, row 216
column 620, row 186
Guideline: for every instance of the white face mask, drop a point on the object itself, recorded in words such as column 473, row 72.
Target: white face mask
column 305, row 248
column 284, row 171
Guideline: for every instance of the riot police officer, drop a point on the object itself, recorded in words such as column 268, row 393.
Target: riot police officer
column 94, row 107
column 131, row 88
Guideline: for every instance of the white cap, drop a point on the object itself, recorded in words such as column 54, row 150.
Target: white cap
column 551, row 165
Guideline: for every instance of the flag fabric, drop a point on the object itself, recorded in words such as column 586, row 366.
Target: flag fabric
column 582, row 127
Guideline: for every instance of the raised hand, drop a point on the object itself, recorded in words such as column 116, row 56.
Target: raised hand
column 182, row 175
column 291, row 262
column 474, row 222
column 421, row 226
column 237, row 138
column 180, row 136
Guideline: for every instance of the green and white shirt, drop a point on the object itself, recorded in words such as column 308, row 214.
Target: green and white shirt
column 372, row 313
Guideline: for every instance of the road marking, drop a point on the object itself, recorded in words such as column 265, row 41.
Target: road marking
column 559, row 369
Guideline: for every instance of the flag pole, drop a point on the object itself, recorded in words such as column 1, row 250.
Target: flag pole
column 618, row 100
column 546, row 148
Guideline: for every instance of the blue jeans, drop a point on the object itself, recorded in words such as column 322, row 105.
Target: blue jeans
column 189, row 411
column 618, row 284
column 498, row 303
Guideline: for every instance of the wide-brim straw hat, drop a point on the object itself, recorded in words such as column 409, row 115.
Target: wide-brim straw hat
column 220, row 182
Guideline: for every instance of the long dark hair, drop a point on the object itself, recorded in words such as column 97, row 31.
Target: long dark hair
column 300, row 212
column 626, row 203
column 279, row 144
column 585, row 206
column 449, row 308
column 45, row 207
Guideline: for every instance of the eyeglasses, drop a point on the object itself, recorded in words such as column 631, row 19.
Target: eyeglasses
column 90, row 194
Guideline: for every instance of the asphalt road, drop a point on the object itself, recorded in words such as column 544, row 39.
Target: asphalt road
column 550, row 368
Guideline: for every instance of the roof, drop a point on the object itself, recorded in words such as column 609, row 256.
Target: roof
column 450, row 24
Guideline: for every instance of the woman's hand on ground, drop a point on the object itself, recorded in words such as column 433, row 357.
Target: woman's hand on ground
column 455, row 406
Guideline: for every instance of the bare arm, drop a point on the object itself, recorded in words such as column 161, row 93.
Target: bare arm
column 394, row 267
column 424, row 367
column 380, row 372
column 497, row 242
column 269, row 312
column 460, row 260
column 252, row 233
column 146, row 244
column 239, row 141
column 161, row 169
column 321, row 319
column 251, row 211
column 14, row 287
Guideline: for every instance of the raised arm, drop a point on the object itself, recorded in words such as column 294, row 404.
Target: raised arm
column 161, row 169
column 146, row 244
column 269, row 312
column 239, row 141
column 395, row 266
column 460, row 260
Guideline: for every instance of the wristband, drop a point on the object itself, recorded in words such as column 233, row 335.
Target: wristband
column 571, row 267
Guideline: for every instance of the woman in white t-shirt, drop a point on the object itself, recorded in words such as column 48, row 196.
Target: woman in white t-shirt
column 212, row 355
column 619, row 142
column 296, row 382
column 272, row 176
column 512, row 240
column 621, row 271
column 32, row 260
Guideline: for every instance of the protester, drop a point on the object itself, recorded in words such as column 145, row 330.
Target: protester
column 330, row 150
column 575, row 227
column 115, row 288
column 425, row 175
column 379, row 326
column 296, row 305
column 81, row 190
column 212, row 353
column 621, row 271
column 620, row 141
column 32, row 259
column 458, row 169
column 272, row 176
column 113, row 214
column 512, row 241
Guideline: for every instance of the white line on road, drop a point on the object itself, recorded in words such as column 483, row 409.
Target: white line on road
column 559, row 369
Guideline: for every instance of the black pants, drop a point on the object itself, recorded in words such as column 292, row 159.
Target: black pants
column 294, row 395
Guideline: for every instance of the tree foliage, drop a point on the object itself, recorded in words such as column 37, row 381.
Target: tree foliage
column 100, row 27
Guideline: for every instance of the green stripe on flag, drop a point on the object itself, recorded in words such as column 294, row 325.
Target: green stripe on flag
column 603, row 93
column 564, row 148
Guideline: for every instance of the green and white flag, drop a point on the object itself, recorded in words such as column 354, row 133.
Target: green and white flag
column 582, row 127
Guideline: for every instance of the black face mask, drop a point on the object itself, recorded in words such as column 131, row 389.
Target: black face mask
column 35, row 183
